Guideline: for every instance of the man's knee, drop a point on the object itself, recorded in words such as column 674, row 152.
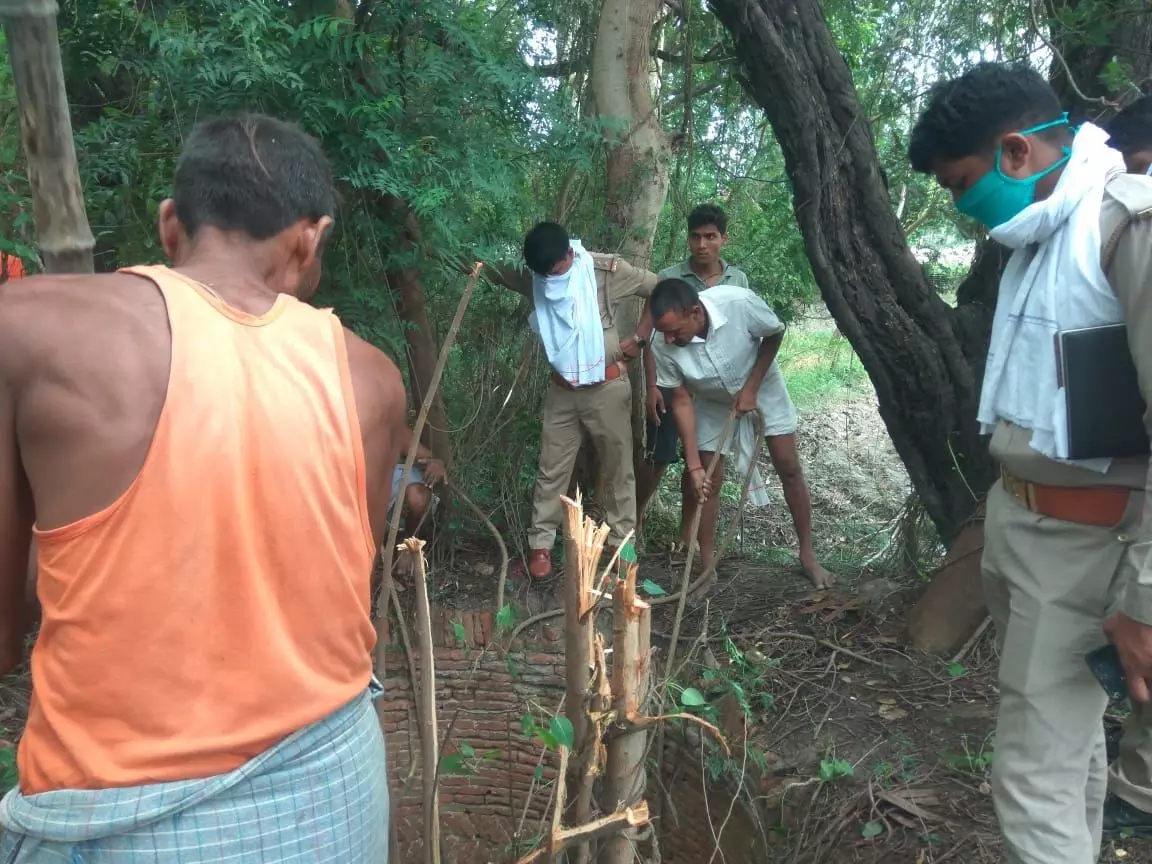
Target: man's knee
column 786, row 461
column 417, row 497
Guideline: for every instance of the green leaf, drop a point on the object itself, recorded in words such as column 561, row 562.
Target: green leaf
column 538, row 773
column 834, row 769
column 956, row 669
column 458, row 631
column 692, row 697
column 513, row 669
column 628, row 553
column 547, row 739
column 506, row 617
column 453, row 764
column 466, row 750
column 528, row 724
column 652, row 589
column 871, row 829
column 561, row 728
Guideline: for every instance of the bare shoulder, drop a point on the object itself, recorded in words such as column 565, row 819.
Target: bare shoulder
column 57, row 315
column 376, row 381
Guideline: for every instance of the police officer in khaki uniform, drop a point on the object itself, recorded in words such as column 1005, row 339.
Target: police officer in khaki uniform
column 602, row 408
column 1064, row 549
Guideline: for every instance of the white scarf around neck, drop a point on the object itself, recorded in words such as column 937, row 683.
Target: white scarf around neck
column 1053, row 282
column 567, row 318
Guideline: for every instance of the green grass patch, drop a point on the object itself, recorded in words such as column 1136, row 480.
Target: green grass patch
column 820, row 366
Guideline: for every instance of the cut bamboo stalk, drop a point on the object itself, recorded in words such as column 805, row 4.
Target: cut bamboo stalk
column 412, row 550
column 624, row 778
column 46, row 135
column 583, row 544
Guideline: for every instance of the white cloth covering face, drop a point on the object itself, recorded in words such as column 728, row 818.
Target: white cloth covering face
column 567, row 319
column 714, row 369
column 1053, row 282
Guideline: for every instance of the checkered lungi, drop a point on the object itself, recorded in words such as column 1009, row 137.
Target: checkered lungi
column 321, row 795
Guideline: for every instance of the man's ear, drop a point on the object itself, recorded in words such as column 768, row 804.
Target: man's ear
column 1016, row 150
column 171, row 232
column 310, row 241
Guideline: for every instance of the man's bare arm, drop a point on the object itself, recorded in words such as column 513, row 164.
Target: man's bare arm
column 16, row 519
column 382, row 408
column 769, row 348
column 684, row 413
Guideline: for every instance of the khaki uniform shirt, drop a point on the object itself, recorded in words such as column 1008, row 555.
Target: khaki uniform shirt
column 1127, row 199
column 616, row 281
column 732, row 275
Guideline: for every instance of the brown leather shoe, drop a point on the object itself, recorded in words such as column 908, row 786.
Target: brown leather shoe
column 540, row 563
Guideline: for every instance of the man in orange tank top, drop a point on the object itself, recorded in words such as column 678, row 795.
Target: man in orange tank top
column 205, row 463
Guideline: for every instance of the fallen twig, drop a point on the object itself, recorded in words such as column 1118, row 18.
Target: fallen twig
column 832, row 646
column 972, row 640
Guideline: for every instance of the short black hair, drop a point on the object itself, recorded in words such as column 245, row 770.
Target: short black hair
column 965, row 115
column 673, row 295
column 708, row 214
column 1131, row 129
column 252, row 173
column 544, row 246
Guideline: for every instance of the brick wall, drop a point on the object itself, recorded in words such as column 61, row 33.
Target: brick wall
column 483, row 694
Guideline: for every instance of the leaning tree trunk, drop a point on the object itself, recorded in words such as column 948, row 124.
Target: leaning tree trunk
column 46, row 135
column 914, row 349
column 639, row 154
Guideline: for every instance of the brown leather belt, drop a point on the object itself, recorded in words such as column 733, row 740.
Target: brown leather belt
column 1100, row 506
column 611, row 372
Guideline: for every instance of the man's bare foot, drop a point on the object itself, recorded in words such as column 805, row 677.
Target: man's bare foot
column 817, row 575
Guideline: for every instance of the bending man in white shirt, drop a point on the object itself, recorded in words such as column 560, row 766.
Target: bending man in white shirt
column 718, row 354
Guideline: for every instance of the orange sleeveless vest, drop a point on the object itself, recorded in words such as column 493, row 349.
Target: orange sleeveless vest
column 221, row 603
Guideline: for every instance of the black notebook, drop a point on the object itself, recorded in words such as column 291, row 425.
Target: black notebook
column 1105, row 408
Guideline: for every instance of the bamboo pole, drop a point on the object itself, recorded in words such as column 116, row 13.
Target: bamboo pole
column 624, row 778
column 583, row 544
column 33, row 46
column 413, row 550
column 394, row 525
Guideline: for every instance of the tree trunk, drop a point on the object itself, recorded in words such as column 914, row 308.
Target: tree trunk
column 637, row 171
column 921, row 355
column 46, row 135
column 408, row 290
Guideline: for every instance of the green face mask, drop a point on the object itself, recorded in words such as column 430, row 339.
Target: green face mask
column 997, row 198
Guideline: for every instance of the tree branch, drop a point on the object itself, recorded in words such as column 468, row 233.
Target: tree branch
column 632, row 817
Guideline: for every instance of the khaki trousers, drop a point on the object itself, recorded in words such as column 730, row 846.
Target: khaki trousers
column 605, row 411
column 1049, row 585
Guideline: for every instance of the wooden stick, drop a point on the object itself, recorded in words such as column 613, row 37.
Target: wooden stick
column 412, row 550
column 46, row 135
column 398, row 505
column 555, row 839
column 496, row 535
column 972, row 640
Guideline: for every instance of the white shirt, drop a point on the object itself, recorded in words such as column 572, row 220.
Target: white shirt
column 714, row 368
